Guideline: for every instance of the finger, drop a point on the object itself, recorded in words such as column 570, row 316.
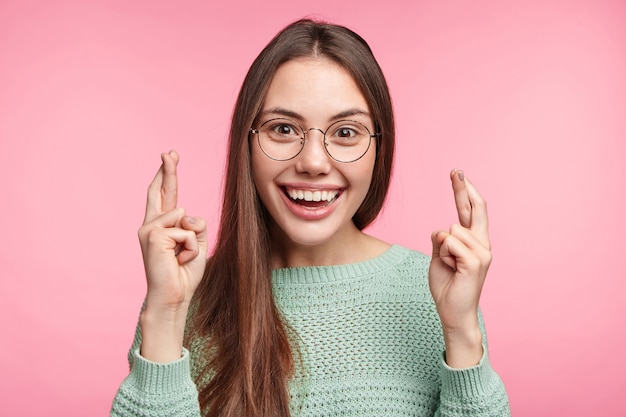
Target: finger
column 187, row 252
column 171, row 219
column 436, row 242
column 188, row 249
column 456, row 255
column 468, row 250
column 480, row 218
column 197, row 225
column 182, row 243
column 441, row 251
column 469, row 238
column 169, row 188
column 461, row 197
column 153, row 204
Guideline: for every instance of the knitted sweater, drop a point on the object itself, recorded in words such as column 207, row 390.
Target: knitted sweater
column 371, row 343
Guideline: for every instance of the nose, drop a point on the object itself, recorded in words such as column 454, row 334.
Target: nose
column 313, row 158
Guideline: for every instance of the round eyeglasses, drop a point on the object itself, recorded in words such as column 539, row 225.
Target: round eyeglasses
column 283, row 139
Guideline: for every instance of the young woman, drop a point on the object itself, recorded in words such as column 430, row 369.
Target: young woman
column 298, row 311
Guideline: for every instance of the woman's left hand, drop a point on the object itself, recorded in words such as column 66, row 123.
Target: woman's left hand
column 460, row 260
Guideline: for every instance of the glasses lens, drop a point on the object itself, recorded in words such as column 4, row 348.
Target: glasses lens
column 281, row 139
column 347, row 140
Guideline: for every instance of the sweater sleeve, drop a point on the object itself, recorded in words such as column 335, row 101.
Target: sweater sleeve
column 156, row 389
column 476, row 391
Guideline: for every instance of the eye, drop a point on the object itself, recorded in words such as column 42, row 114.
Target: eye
column 284, row 129
column 281, row 129
column 345, row 132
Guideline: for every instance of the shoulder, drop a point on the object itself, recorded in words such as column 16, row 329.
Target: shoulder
column 403, row 271
column 409, row 261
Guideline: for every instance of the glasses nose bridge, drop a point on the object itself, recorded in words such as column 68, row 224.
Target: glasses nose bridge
column 306, row 131
column 305, row 139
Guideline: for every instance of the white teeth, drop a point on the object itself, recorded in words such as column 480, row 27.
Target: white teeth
column 306, row 195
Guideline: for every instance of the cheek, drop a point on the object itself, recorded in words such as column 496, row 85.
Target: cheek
column 367, row 168
column 365, row 174
column 360, row 178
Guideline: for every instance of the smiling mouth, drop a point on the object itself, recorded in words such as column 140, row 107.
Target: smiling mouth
column 308, row 198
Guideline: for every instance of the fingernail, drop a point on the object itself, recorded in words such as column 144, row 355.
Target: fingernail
column 191, row 220
column 461, row 176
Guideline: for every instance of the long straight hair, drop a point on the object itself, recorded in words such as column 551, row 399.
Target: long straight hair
column 248, row 357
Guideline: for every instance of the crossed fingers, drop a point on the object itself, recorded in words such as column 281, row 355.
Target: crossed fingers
column 163, row 190
column 471, row 207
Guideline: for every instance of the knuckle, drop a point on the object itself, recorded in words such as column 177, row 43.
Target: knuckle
column 153, row 235
column 143, row 231
column 456, row 228
column 474, row 262
column 483, row 259
column 152, row 189
column 488, row 257
column 479, row 202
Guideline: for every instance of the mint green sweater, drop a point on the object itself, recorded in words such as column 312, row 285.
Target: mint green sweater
column 371, row 343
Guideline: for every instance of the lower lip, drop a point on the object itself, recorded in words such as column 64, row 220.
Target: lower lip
column 309, row 213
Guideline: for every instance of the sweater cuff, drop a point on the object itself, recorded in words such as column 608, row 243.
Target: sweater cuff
column 472, row 382
column 160, row 378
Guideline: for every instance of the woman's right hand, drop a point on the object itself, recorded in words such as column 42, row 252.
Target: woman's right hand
column 174, row 248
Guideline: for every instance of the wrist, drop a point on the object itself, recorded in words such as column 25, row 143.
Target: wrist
column 157, row 312
column 464, row 347
column 162, row 333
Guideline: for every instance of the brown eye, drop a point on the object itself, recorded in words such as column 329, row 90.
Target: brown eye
column 284, row 129
column 344, row 132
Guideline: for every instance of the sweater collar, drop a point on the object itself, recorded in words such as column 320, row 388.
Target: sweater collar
column 336, row 273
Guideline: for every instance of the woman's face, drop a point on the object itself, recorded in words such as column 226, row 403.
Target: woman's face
column 312, row 197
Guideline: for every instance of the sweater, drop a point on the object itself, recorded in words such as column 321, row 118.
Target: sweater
column 371, row 345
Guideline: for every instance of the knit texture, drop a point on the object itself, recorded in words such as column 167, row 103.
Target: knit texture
column 371, row 345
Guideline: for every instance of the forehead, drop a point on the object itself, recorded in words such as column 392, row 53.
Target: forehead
column 316, row 88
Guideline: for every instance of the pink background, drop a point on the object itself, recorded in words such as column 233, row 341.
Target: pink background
column 528, row 97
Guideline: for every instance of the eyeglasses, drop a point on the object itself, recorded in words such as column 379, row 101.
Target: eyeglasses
column 283, row 139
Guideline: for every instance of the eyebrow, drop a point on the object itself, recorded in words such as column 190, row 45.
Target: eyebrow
column 293, row 115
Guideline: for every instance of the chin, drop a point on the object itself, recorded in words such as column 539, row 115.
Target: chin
column 313, row 234
column 308, row 237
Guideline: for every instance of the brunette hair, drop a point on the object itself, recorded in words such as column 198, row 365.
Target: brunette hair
column 249, row 358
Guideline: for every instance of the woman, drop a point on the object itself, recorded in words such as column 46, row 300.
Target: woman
column 298, row 311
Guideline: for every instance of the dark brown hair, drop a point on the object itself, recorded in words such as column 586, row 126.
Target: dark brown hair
column 249, row 355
